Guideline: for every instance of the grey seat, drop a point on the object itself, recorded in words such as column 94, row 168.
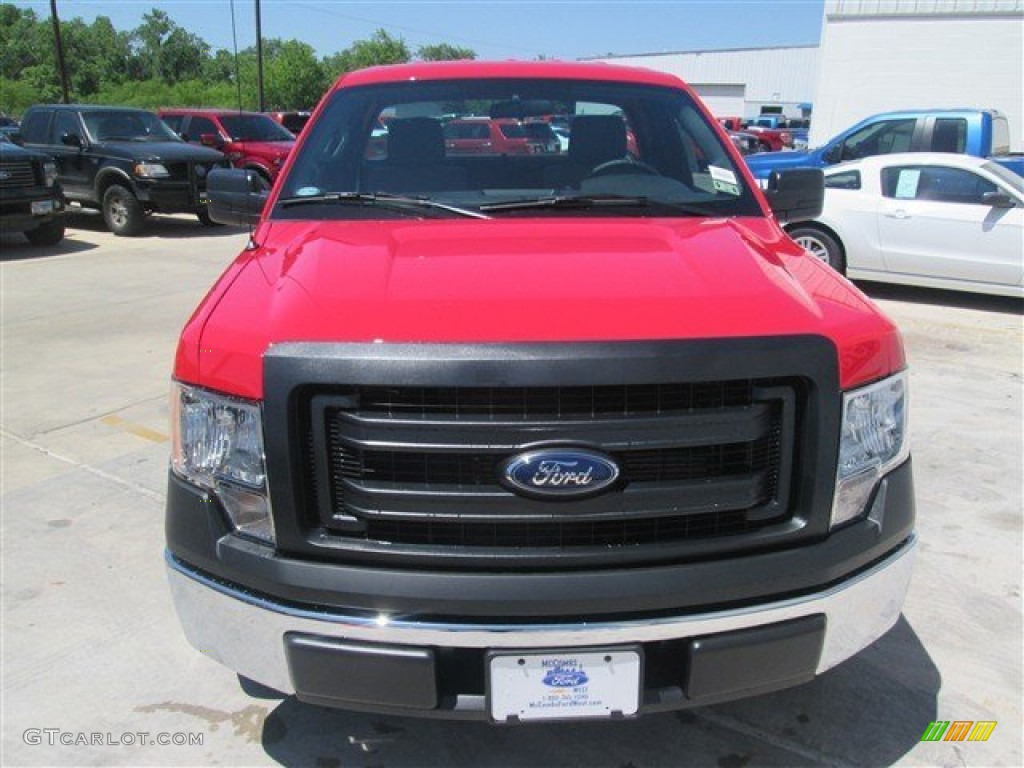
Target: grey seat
column 593, row 140
column 415, row 160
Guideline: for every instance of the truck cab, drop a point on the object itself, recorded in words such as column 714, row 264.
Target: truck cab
column 981, row 133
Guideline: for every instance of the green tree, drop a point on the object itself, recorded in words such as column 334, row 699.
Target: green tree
column 380, row 49
column 166, row 51
column 444, row 52
column 293, row 77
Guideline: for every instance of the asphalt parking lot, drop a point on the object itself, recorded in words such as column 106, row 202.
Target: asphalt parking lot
column 97, row 672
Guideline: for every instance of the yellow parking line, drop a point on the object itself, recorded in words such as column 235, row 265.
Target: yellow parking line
column 135, row 429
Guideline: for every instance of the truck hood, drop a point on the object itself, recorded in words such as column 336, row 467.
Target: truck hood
column 523, row 281
column 171, row 151
column 763, row 163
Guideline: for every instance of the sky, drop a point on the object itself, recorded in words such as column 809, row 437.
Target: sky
column 495, row 29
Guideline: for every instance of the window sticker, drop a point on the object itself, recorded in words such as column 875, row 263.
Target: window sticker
column 723, row 180
column 906, row 185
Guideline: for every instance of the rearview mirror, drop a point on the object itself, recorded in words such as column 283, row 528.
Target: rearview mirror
column 236, row 196
column 797, row 194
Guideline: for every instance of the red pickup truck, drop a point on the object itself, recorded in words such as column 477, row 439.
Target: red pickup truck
column 580, row 435
column 770, row 139
column 250, row 140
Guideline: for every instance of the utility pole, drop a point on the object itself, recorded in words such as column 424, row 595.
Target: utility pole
column 259, row 58
column 59, row 47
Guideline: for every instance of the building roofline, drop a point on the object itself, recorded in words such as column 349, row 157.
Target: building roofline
column 699, row 50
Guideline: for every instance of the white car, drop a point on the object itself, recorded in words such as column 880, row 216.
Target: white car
column 930, row 219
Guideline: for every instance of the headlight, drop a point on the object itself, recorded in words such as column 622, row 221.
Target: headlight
column 873, row 441
column 217, row 444
column 151, row 171
column 49, row 174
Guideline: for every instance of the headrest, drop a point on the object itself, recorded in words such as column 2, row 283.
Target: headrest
column 415, row 141
column 597, row 139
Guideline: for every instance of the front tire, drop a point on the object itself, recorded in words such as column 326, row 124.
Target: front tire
column 50, row 233
column 122, row 211
column 821, row 245
column 205, row 220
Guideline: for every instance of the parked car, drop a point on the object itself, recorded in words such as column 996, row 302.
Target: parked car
column 293, row 121
column 937, row 220
column 978, row 132
column 498, row 136
column 529, row 436
column 248, row 139
column 124, row 161
column 31, row 201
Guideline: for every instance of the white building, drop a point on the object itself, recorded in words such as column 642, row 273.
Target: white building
column 880, row 55
column 741, row 82
column 875, row 56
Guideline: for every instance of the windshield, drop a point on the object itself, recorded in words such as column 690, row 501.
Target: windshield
column 127, row 125
column 254, row 128
column 648, row 146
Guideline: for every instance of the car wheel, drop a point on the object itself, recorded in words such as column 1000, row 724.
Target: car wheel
column 50, row 233
column 122, row 211
column 821, row 245
column 206, row 221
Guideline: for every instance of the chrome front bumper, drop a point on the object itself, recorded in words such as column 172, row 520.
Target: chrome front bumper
column 246, row 632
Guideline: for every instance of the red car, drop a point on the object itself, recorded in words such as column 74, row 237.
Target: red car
column 498, row 136
column 532, row 437
column 251, row 140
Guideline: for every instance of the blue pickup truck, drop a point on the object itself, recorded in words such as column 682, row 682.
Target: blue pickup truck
column 978, row 132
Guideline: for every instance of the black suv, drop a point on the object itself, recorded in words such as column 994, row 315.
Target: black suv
column 30, row 197
column 124, row 161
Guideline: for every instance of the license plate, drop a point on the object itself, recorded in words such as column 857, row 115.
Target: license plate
column 564, row 684
column 41, row 206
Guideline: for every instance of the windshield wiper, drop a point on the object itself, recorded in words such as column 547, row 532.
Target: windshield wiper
column 568, row 201
column 597, row 201
column 382, row 199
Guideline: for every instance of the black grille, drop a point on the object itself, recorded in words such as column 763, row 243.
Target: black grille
column 414, row 466
column 17, row 175
column 533, row 402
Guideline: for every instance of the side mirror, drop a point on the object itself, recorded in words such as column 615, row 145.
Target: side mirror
column 236, row 196
column 797, row 194
column 998, row 200
column 211, row 140
column 71, row 140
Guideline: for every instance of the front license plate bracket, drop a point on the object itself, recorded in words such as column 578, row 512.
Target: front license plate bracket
column 564, row 683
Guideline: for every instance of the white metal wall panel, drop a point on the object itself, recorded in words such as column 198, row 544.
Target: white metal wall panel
column 784, row 77
column 722, row 100
column 920, row 7
column 875, row 63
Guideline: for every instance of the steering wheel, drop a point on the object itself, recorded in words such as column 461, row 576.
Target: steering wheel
column 623, row 165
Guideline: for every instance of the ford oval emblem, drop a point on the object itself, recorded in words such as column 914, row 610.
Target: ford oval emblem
column 550, row 473
column 560, row 677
